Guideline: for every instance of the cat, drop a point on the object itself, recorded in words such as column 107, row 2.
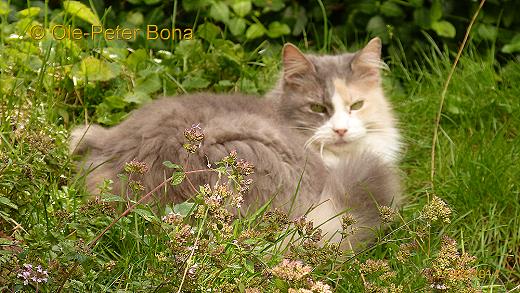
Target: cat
column 326, row 128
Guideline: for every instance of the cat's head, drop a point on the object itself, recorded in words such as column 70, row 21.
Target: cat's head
column 336, row 100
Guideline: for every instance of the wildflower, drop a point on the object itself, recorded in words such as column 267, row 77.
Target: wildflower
column 301, row 290
column 291, row 270
column 231, row 158
column 253, row 290
column 436, row 210
column 136, row 185
column 320, row 287
column 372, row 266
column 386, row 214
column 172, row 218
column 135, row 166
column 192, row 271
column 195, row 136
column 405, row 251
column 244, row 167
column 29, row 274
column 347, row 221
column 109, row 266
column 451, row 270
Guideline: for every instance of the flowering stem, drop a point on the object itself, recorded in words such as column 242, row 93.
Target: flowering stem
column 188, row 261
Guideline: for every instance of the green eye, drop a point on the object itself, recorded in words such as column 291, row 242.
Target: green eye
column 318, row 108
column 357, row 105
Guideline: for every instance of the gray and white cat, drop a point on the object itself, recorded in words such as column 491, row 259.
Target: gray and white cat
column 327, row 118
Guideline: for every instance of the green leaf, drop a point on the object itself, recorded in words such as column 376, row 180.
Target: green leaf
column 95, row 69
column 178, row 177
column 29, row 12
column 146, row 214
column 436, row 10
column 171, row 165
column 391, row 9
column 249, row 265
column 511, row 48
column 277, row 29
column 444, row 29
column 137, row 97
column 376, row 26
column 208, row 31
column 115, row 102
column 137, row 59
column 184, row 208
column 256, row 30
column 219, row 11
column 195, row 82
column 148, row 84
column 487, row 32
column 237, row 26
column 112, row 198
column 7, row 202
column 242, row 7
column 82, row 11
column 4, row 8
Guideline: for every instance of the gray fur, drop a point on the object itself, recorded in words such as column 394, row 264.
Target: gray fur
column 270, row 133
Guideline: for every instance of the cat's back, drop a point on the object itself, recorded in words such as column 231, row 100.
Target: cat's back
column 198, row 108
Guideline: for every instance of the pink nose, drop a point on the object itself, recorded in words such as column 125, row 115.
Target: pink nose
column 341, row 131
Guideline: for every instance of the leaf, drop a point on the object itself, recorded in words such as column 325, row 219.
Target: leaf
column 178, row 177
column 195, row 82
column 444, row 29
column 7, row 202
column 184, row 208
column 219, row 11
column 249, row 265
column 115, row 102
column 82, row 11
column 137, row 59
column 277, row 29
column 29, row 12
column 148, row 84
column 376, row 26
column 242, row 7
column 112, row 198
column 4, row 8
column 391, row 9
column 237, row 26
column 436, row 10
column 95, row 69
column 137, row 97
column 208, row 31
column 256, row 30
column 171, row 165
column 146, row 214
column 487, row 32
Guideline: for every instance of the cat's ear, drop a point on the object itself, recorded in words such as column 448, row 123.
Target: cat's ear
column 295, row 64
column 367, row 62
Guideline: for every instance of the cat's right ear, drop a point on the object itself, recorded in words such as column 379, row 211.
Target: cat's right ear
column 295, row 64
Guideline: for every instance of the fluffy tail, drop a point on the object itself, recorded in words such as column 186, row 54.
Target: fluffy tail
column 83, row 138
column 359, row 186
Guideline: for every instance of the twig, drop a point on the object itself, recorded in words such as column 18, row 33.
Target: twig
column 445, row 89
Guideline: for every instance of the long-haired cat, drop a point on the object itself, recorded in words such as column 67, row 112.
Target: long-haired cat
column 326, row 122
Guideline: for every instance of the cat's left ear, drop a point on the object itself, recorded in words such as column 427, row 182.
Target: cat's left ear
column 295, row 64
column 367, row 62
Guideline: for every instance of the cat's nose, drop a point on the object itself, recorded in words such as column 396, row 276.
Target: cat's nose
column 340, row 131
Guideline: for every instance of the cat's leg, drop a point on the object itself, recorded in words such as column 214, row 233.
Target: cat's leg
column 359, row 186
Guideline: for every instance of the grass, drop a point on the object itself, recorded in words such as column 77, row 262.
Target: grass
column 46, row 218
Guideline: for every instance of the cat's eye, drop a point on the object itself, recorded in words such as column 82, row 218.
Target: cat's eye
column 357, row 105
column 318, row 108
